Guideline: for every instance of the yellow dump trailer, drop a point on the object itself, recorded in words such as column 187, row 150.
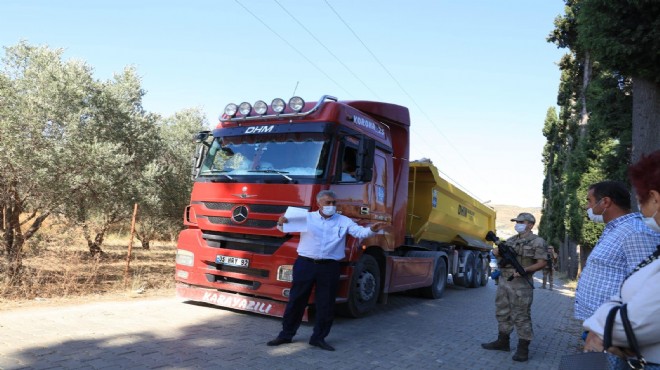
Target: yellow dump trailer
column 444, row 217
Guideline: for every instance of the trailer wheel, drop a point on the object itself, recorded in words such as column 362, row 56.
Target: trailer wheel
column 478, row 274
column 364, row 289
column 437, row 288
column 468, row 271
column 486, row 266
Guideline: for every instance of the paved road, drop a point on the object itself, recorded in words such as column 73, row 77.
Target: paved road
column 163, row 333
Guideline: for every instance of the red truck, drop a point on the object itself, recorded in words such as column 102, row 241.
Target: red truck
column 262, row 159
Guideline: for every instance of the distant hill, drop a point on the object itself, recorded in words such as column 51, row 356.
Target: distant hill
column 504, row 215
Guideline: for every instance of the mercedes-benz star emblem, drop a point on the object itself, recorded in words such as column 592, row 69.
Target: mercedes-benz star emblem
column 239, row 214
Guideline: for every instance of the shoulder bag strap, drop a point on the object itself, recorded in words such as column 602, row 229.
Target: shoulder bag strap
column 609, row 324
column 632, row 340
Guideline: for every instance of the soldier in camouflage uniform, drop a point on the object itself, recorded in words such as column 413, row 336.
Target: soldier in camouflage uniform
column 513, row 300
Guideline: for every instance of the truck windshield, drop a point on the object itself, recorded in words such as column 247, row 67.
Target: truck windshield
column 282, row 156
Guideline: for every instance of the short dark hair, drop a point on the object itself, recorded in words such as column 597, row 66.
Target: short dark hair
column 645, row 175
column 615, row 190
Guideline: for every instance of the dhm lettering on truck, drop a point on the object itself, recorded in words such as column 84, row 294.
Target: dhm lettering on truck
column 259, row 129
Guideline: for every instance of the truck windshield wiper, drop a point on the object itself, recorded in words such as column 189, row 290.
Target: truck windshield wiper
column 274, row 171
column 218, row 172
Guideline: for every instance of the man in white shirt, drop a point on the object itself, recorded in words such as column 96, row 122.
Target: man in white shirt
column 320, row 249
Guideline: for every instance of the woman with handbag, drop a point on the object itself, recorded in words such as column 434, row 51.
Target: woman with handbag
column 639, row 297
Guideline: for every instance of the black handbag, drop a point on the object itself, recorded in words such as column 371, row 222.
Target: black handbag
column 638, row 362
column 595, row 360
column 607, row 361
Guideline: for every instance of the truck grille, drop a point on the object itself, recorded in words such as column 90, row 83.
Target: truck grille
column 243, row 242
column 265, row 224
column 258, row 208
column 239, row 270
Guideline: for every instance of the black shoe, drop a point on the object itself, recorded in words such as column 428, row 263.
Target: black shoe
column 322, row 345
column 277, row 341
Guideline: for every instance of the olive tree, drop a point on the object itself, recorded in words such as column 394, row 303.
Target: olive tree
column 165, row 189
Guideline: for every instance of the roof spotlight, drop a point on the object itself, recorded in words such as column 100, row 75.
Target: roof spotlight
column 296, row 104
column 245, row 108
column 230, row 109
column 278, row 105
column 260, row 107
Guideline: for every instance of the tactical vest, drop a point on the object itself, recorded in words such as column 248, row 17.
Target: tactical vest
column 524, row 248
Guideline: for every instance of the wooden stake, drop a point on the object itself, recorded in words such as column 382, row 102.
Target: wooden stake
column 130, row 246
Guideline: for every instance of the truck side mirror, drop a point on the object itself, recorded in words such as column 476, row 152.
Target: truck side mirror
column 365, row 159
column 201, row 139
column 197, row 159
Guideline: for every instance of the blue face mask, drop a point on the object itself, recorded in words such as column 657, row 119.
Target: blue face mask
column 520, row 228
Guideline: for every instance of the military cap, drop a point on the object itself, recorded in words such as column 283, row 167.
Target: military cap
column 525, row 217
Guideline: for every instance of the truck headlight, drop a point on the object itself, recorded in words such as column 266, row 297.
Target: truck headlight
column 260, row 107
column 296, row 104
column 278, row 105
column 285, row 273
column 182, row 274
column 231, row 109
column 184, row 257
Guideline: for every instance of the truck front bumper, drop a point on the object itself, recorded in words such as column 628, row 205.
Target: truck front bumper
column 263, row 306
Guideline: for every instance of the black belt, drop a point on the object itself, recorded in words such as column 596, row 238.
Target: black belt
column 320, row 261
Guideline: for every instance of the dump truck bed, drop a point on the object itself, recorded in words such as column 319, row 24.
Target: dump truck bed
column 439, row 211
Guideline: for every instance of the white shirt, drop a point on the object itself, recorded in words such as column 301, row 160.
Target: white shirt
column 641, row 291
column 325, row 238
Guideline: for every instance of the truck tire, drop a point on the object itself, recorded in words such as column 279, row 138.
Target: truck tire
column 468, row 271
column 364, row 288
column 437, row 288
column 478, row 272
column 486, row 269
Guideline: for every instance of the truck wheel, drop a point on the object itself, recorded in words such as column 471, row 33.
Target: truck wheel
column 364, row 289
column 437, row 288
column 478, row 272
column 468, row 270
column 486, row 269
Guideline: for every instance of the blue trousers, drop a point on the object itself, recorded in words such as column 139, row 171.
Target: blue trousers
column 306, row 276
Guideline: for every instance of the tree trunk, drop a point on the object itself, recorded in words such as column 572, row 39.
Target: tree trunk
column 14, row 238
column 646, row 118
column 95, row 243
column 144, row 239
column 586, row 79
column 572, row 258
column 645, row 122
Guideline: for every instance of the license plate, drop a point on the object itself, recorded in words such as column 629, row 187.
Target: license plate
column 232, row 261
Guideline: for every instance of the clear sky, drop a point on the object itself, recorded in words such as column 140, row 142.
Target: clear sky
column 477, row 75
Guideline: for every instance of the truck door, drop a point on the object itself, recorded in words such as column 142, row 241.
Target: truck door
column 381, row 197
column 353, row 194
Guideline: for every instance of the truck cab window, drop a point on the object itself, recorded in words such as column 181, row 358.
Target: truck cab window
column 349, row 165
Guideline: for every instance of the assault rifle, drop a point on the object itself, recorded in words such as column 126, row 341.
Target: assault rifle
column 508, row 256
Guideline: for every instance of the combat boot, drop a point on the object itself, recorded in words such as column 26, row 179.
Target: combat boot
column 501, row 344
column 522, row 352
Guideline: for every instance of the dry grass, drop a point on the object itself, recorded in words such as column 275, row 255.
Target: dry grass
column 63, row 270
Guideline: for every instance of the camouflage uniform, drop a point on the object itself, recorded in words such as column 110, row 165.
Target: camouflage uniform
column 549, row 269
column 513, row 300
